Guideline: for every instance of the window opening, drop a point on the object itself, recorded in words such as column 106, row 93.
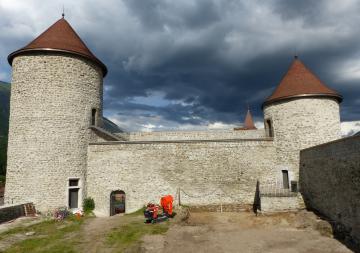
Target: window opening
column 269, row 128
column 93, row 116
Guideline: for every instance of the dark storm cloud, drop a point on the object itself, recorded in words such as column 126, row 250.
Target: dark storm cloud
column 154, row 14
column 203, row 61
column 308, row 10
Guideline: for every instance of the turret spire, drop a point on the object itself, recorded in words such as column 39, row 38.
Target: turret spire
column 248, row 123
column 60, row 37
column 299, row 81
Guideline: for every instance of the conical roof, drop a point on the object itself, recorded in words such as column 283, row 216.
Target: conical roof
column 248, row 124
column 59, row 37
column 299, row 81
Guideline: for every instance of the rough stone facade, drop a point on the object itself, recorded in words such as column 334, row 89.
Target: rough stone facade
column 276, row 204
column 207, row 172
column 196, row 135
column 301, row 123
column 330, row 182
column 52, row 98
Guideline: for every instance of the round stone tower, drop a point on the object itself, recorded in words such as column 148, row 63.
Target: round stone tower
column 56, row 95
column 302, row 112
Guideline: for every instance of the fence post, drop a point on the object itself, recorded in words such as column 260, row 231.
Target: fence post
column 179, row 197
column 221, row 207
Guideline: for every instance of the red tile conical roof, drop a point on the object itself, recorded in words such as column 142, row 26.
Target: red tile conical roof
column 59, row 37
column 299, row 81
column 248, row 124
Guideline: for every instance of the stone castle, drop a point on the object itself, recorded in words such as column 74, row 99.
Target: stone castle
column 60, row 151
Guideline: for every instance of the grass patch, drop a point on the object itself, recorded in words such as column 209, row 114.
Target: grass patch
column 49, row 236
column 129, row 235
column 139, row 212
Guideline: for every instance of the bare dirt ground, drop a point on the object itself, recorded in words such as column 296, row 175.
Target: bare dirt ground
column 243, row 232
column 198, row 232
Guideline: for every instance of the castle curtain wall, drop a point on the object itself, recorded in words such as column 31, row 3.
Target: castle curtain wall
column 330, row 183
column 207, row 172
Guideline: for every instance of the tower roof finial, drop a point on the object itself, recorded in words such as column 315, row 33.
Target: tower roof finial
column 296, row 54
column 63, row 12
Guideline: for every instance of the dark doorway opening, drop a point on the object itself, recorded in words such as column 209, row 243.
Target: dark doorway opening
column 285, row 175
column 117, row 202
column 73, row 198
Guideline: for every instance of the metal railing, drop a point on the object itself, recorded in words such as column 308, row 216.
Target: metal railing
column 276, row 190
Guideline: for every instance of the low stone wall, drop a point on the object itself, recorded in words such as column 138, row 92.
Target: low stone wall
column 11, row 212
column 330, row 182
column 197, row 135
column 222, row 208
column 276, row 204
column 204, row 172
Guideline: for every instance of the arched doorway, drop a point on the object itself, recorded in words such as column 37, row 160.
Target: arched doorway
column 117, row 202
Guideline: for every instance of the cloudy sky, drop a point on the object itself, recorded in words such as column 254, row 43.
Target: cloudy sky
column 196, row 64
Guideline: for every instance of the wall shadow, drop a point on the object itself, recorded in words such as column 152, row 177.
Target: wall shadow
column 339, row 231
column 257, row 199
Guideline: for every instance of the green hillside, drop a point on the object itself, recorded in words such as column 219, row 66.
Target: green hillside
column 4, row 124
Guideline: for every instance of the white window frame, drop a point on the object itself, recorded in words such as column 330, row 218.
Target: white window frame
column 79, row 186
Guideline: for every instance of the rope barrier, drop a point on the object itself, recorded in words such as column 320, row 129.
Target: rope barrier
column 198, row 196
column 229, row 195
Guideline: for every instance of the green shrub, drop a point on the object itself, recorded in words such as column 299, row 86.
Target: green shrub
column 88, row 205
column 2, row 180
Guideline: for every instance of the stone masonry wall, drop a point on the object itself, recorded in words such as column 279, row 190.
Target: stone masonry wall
column 207, row 172
column 276, row 204
column 330, row 182
column 51, row 101
column 197, row 135
column 299, row 124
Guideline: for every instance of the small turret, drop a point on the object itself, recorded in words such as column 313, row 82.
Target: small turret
column 248, row 123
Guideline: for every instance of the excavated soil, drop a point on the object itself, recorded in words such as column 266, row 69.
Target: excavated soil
column 244, row 232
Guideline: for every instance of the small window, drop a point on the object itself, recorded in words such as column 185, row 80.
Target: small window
column 269, row 128
column 74, row 182
column 93, row 117
column 285, row 175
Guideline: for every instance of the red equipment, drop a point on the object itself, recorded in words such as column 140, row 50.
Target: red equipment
column 153, row 209
column 167, row 204
column 152, row 214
